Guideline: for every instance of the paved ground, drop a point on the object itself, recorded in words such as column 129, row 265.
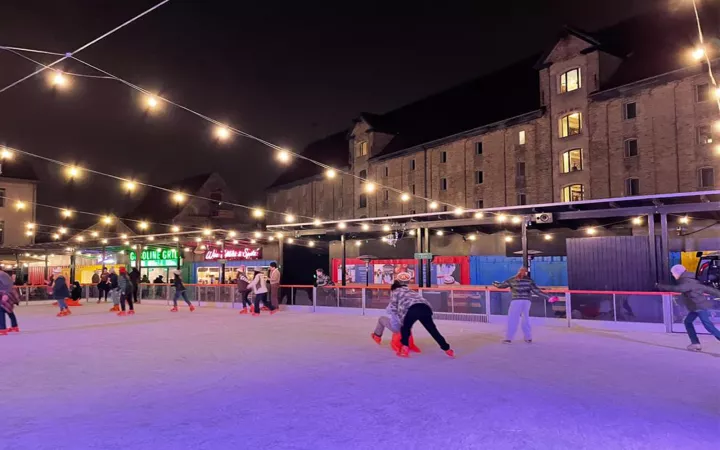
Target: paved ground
column 215, row 380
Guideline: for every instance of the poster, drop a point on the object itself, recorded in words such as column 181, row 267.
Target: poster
column 445, row 274
column 445, row 271
column 389, row 272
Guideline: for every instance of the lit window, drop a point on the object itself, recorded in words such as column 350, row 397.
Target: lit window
column 571, row 161
column 632, row 186
column 443, row 157
column 704, row 135
column 361, row 148
column 570, row 125
column 363, row 201
column 630, row 110
column 412, row 164
column 478, row 148
column 706, row 177
column 521, row 137
column 479, row 177
column 443, row 184
column 702, row 93
column 570, row 81
column 521, row 199
column 573, row 193
column 631, row 148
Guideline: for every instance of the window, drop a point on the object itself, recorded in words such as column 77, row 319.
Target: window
column 520, row 175
column 631, row 148
column 702, row 93
column 478, row 148
column 570, row 125
column 363, row 201
column 386, row 171
column 573, row 193
column 479, row 177
column 570, row 80
column 412, row 189
column 443, row 184
column 361, row 148
column 704, row 135
column 2, row 198
column 412, row 164
column 521, row 137
column 571, row 161
column 386, row 195
column 630, row 110
column 521, row 198
column 706, row 177
column 2, row 232
column 632, row 186
column 363, row 174
column 445, row 208
column 479, row 204
column 443, row 157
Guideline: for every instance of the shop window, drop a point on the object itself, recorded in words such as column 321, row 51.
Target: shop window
column 573, row 193
column 571, row 161
column 570, row 80
column 704, row 135
column 570, row 125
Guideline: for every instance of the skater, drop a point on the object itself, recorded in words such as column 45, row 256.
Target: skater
column 693, row 295
column 135, row 279
column 274, row 277
column 95, row 280
column 76, row 292
column 244, row 291
column 410, row 307
column 9, row 298
column 103, row 287
column 522, row 288
column 60, row 292
column 125, row 287
column 392, row 323
column 179, row 291
column 259, row 288
column 114, row 290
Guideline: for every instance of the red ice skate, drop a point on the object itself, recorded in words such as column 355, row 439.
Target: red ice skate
column 255, row 314
column 376, row 338
column 131, row 313
column 404, row 352
column 395, row 344
column 13, row 330
column 115, row 308
column 274, row 311
column 413, row 347
column 244, row 311
column 174, row 309
column 450, row 353
column 3, row 332
column 192, row 308
column 122, row 313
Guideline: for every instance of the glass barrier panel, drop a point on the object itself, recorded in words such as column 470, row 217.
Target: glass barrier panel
column 638, row 308
column 224, row 293
column 377, row 298
column 592, row 306
column 680, row 311
column 327, row 296
column 499, row 302
column 439, row 299
column 350, row 297
column 302, row 296
column 35, row 293
column 468, row 302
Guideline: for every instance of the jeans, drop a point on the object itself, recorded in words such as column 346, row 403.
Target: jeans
column 13, row 319
column 115, row 294
column 61, row 303
column 262, row 298
column 519, row 308
column 421, row 312
column 182, row 294
column 245, row 299
column 386, row 322
column 123, row 297
column 704, row 316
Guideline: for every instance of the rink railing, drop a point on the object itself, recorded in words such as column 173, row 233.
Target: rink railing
column 604, row 309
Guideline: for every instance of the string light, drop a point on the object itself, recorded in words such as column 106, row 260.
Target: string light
column 72, row 172
column 358, row 243
column 29, row 233
column 179, row 197
column 283, row 156
column 508, row 238
column 6, row 154
column 386, row 228
column 79, row 238
column 218, row 242
column 516, row 220
column 440, row 233
column 289, row 218
column 317, row 222
column 433, row 205
column 197, row 239
column 130, row 186
column 257, row 235
column 143, row 225
column 62, row 230
column 698, row 53
column 58, row 79
column 472, row 237
column 311, row 244
column 104, row 241
column 20, row 205
column 458, row 211
column 684, row 220
column 501, row 218
column 369, row 187
column 252, row 241
column 257, row 213
column 107, row 220
column 151, row 238
column 404, row 197
column 637, row 221
column 123, row 236
column 206, row 231
column 342, row 225
column 30, row 226
column 279, row 235
column 547, row 237
column 151, row 102
column 331, row 173
column 271, row 238
column 175, row 229
column 94, row 234
column 186, row 249
column 56, row 236
column 222, row 133
column 66, row 213
column 232, row 233
column 591, row 231
column 290, row 240
column 365, row 227
column 478, row 215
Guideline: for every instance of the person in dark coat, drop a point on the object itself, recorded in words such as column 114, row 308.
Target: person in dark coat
column 693, row 294
column 135, row 280
column 8, row 300
column 76, row 292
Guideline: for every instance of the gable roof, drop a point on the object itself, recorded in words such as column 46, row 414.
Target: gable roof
column 331, row 150
column 156, row 205
column 19, row 169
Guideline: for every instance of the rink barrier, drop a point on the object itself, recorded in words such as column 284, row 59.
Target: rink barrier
column 620, row 310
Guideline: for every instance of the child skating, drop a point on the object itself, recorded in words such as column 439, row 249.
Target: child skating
column 179, row 291
column 9, row 298
column 259, row 287
column 60, row 292
column 125, row 286
column 410, row 307
column 392, row 323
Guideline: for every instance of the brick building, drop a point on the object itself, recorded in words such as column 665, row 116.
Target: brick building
column 614, row 113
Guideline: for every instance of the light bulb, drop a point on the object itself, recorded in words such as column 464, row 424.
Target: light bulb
column 501, row 218
column 365, row 227
column 235, row 241
column 175, row 229
column 637, row 221
column 591, row 231
column 179, row 197
column 458, row 211
column 5, row 154
column 80, row 239
column 478, row 215
column 433, row 205
column 508, row 238
column 94, row 234
column 369, row 187
column 58, row 79
column 358, row 243
column 331, row 173
column 386, row 228
column 197, row 239
column 283, row 156
column 698, row 53
column 232, row 233
column 151, row 102
column 56, row 236
column 317, row 222
column 104, row 241
column 107, row 220
column 411, row 232
column 516, row 220
column 405, row 197
column 20, row 205
column 206, row 231
column 289, row 218
column 257, row 234
column 311, row 244
column 342, row 225
column 222, row 133
column 684, row 220
column 472, row 237
column 72, row 172
column 130, row 186
column 151, row 238
column 440, row 232
column 547, row 237
column 62, row 230
column 290, row 240
column 143, row 225
column 30, row 226
column 218, row 242
column 257, row 213
column 252, row 241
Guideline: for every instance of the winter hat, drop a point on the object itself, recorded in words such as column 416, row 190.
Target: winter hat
column 677, row 270
column 176, row 272
column 123, row 270
column 57, row 271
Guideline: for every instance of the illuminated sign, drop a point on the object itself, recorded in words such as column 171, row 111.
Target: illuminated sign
column 159, row 257
column 214, row 254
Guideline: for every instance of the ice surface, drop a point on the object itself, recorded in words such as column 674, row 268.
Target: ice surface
column 214, row 380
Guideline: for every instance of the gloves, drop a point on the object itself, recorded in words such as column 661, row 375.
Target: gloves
column 553, row 299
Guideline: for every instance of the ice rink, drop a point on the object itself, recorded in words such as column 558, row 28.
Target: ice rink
column 215, row 380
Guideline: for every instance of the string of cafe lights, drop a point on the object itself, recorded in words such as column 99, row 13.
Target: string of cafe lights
column 701, row 52
column 223, row 132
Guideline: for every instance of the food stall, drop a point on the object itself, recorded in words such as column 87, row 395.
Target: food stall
column 208, row 270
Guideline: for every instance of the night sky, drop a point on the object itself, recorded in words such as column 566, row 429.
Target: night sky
column 289, row 72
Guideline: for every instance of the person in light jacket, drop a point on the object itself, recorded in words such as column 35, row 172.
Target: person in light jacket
column 259, row 287
column 274, row 284
column 179, row 291
column 523, row 288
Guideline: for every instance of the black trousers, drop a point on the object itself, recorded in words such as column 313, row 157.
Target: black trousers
column 421, row 312
column 13, row 319
column 123, row 297
column 262, row 298
column 245, row 300
column 103, row 289
column 135, row 293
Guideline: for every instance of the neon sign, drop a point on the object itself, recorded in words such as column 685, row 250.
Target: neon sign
column 233, row 254
column 159, row 257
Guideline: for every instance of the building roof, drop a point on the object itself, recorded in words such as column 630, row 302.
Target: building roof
column 18, row 168
column 332, row 150
column 157, row 207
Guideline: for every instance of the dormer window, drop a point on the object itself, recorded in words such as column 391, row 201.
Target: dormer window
column 570, row 80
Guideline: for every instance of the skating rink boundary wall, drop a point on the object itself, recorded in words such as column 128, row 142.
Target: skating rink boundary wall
column 612, row 310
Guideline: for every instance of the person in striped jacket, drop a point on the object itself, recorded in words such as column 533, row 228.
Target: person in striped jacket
column 522, row 288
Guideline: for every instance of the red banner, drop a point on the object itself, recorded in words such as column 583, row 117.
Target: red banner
column 233, row 254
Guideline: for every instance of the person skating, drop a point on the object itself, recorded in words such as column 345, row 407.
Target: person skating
column 410, row 307
column 114, row 290
column 76, row 292
column 125, row 286
column 693, row 295
column 179, row 291
column 260, row 289
column 9, row 298
column 242, row 287
column 392, row 323
column 95, row 280
column 60, row 292
column 135, row 280
column 103, row 286
column 522, row 289
column 274, row 277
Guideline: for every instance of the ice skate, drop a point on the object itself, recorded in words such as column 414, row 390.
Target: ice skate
column 528, row 341
column 13, row 330
column 404, row 352
column 174, row 309
column 507, row 341
column 61, row 314
column 122, row 314
column 450, row 352
column 131, row 313
column 395, row 344
column 255, row 314
column 67, row 311
column 412, row 346
column 3, row 332
column 694, row 347
column 274, row 311
column 192, row 308
column 244, row 311
column 115, row 308
column 376, row 338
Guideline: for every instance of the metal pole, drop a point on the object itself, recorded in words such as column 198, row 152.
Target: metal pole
column 421, row 264
column 523, row 230
column 281, row 258
column 664, row 248
column 102, row 261
column 72, row 268
column 614, row 308
column 487, row 304
column 568, row 308
column 177, row 251
column 651, row 244
column 343, row 281
column 222, row 265
column 428, row 263
column 46, row 265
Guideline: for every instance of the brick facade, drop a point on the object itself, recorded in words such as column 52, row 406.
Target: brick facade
column 669, row 155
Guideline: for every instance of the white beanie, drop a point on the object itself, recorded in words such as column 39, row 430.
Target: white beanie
column 677, row 270
column 56, row 271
